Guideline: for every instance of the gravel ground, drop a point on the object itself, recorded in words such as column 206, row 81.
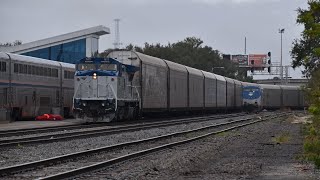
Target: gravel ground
column 80, row 129
column 267, row 150
column 85, row 161
column 28, row 153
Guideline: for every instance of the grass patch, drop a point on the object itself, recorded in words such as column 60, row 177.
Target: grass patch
column 283, row 138
column 223, row 134
column 312, row 141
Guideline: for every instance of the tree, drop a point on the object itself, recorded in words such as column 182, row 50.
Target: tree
column 191, row 52
column 15, row 43
column 306, row 50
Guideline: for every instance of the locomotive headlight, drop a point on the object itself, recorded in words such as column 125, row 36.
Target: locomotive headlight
column 84, row 104
column 94, row 76
column 102, row 104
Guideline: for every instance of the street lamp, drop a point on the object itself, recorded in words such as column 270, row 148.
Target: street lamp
column 281, row 31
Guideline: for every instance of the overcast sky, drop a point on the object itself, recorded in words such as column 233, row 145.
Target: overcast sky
column 222, row 24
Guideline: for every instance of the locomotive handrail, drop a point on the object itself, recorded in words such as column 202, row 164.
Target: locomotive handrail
column 115, row 96
column 135, row 87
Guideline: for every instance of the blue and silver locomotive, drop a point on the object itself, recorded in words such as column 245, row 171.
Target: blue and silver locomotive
column 104, row 90
column 251, row 94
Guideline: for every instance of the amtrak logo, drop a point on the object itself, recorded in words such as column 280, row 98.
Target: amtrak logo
column 250, row 93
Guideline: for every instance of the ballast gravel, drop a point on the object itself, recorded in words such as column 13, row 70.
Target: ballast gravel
column 267, row 150
column 28, row 153
column 107, row 155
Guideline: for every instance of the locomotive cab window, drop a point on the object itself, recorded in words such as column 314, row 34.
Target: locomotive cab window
column 84, row 67
column 108, row 67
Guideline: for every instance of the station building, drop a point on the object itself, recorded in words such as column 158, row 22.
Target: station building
column 68, row 48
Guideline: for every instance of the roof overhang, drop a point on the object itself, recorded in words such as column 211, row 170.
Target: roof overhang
column 93, row 31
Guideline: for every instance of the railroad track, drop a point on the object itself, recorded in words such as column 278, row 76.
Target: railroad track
column 88, row 161
column 20, row 132
column 106, row 131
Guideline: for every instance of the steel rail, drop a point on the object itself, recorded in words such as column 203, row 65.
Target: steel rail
column 104, row 164
column 106, row 131
column 20, row 132
column 41, row 163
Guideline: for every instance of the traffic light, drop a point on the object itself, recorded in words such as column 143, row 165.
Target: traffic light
column 252, row 68
column 269, row 57
column 269, row 62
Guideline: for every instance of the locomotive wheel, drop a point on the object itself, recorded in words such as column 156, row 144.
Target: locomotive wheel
column 116, row 116
column 136, row 113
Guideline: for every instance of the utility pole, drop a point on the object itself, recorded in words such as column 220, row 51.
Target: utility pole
column 281, row 31
column 245, row 45
column 287, row 74
column 117, row 34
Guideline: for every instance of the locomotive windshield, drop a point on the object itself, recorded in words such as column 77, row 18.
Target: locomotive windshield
column 84, row 67
column 108, row 67
column 105, row 67
column 250, row 89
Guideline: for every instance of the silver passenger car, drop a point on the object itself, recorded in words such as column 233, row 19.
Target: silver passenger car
column 32, row 86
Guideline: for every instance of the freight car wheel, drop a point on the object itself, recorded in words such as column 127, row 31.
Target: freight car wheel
column 116, row 116
column 137, row 113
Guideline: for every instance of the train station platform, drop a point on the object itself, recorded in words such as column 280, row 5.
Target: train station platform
column 37, row 124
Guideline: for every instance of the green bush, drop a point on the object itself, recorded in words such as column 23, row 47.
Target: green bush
column 312, row 138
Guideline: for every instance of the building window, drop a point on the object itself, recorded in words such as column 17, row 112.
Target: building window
column 40, row 53
column 70, row 52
